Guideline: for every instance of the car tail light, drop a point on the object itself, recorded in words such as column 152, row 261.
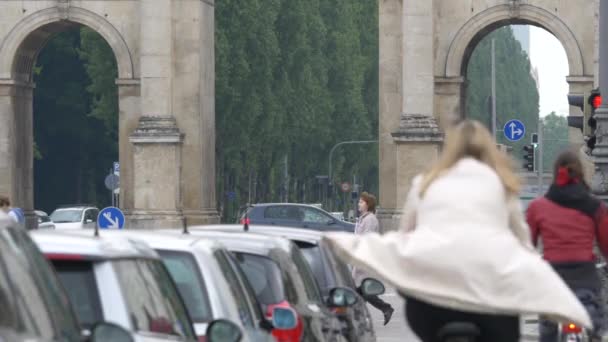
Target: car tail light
column 293, row 335
column 202, row 339
column 64, row 256
column 341, row 310
column 571, row 328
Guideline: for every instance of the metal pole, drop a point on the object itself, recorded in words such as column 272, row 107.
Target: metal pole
column 493, row 90
column 600, row 152
column 539, row 162
column 331, row 152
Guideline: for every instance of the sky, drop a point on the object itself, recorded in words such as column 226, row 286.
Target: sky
column 547, row 54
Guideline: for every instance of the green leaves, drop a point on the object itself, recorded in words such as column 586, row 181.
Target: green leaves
column 293, row 78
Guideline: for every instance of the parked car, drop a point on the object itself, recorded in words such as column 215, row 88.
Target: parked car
column 294, row 215
column 211, row 283
column 74, row 217
column 44, row 221
column 35, row 306
column 280, row 277
column 329, row 271
column 119, row 280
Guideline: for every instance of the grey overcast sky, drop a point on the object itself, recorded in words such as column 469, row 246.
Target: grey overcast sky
column 549, row 57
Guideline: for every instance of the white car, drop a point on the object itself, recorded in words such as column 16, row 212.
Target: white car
column 123, row 281
column 210, row 282
column 44, row 221
column 74, row 217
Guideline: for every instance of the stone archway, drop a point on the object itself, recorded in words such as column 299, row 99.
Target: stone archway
column 424, row 52
column 164, row 54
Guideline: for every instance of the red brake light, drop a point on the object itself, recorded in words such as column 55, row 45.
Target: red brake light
column 596, row 101
column 571, row 328
column 63, row 256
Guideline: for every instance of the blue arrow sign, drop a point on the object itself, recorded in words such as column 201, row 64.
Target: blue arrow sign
column 514, row 130
column 111, row 218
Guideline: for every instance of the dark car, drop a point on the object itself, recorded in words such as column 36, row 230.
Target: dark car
column 34, row 305
column 330, row 272
column 281, row 277
column 294, row 215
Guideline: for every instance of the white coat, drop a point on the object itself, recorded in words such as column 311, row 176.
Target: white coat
column 464, row 246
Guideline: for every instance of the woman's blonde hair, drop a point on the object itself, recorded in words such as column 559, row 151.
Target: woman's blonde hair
column 470, row 138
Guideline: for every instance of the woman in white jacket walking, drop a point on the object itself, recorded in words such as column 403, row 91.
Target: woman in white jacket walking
column 368, row 223
column 463, row 252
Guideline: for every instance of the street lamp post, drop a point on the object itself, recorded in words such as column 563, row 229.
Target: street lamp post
column 331, row 152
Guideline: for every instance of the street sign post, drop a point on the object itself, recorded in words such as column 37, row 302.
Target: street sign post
column 112, row 182
column 514, row 130
column 111, row 218
column 116, row 168
column 345, row 186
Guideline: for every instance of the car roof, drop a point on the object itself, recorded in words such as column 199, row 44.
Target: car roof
column 159, row 239
column 286, row 205
column 83, row 242
column 238, row 240
column 297, row 234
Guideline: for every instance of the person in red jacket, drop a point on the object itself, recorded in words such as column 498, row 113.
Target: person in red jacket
column 569, row 220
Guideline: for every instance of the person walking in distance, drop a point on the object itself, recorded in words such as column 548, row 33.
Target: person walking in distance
column 15, row 213
column 368, row 223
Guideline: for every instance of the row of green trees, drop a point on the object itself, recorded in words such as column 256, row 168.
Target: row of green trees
column 293, row 78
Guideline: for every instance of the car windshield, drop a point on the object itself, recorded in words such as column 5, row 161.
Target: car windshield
column 31, row 298
column 314, row 258
column 152, row 300
column 264, row 276
column 189, row 281
column 66, row 215
column 79, row 279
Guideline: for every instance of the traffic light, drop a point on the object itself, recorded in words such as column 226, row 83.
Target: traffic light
column 529, row 157
column 588, row 103
column 594, row 101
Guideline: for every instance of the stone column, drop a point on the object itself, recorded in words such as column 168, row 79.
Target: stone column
column 194, row 106
column 129, row 109
column 409, row 134
column 600, row 152
column 157, row 139
column 17, row 146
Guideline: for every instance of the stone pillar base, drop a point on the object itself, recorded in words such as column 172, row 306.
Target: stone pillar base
column 201, row 217
column 389, row 219
column 417, row 147
column 154, row 219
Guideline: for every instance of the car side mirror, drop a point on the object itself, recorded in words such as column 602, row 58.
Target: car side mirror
column 341, row 297
column 284, row 318
column 371, row 287
column 222, row 330
column 331, row 222
column 106, row 331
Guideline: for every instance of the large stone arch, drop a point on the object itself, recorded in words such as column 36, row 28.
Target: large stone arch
column 473, row 31
column 164, row 51
column 25, row 36
column 425, row 48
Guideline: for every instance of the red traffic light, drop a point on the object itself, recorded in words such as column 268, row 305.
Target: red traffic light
column 596, row 101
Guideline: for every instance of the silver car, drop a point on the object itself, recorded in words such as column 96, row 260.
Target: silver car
column 210, row 282
column 119, row 280
column 44, row 221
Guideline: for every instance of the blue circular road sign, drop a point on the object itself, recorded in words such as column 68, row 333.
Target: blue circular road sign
column 111, row 218
column 514, row 130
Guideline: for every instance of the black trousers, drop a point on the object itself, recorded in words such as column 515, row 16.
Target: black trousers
column 426, row 320
column 378, row 303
